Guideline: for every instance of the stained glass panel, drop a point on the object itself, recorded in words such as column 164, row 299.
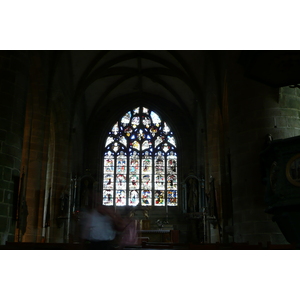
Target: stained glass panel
column 135, row 121
column 158, row 140
column 146, row 197
column 146, row 122
column 108, row 181
column 166, row 129
column 134, row 197
column 136, row 145
column 171, row 164
column 108, row 197
column 141, row 134
column 153, row 130
column 108, row 163
column 146, row 182
column 134, row 182
column 109, row 140
column 128, row 130
column 166, row 147
column 121, row 164
column 134, row 164
column 123, row 141
column 126, row 119
column 120, row 197
column 159, row 165
column 172, row 198
column 121, row 181
column 115, row 147
column 159, row 198
column 115, row 129
column 172, row 182
column 133, row 171
column 171, row 140
column 146, row 145
column 146, row 165
column 155, row 118
column 159, row 182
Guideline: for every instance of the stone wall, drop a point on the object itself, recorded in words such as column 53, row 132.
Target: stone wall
column 13, row 89
column 256, row 110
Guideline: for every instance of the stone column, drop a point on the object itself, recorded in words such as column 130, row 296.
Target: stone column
column 35, row 150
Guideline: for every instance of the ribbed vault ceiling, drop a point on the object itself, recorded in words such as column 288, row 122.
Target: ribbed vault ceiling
column 102, row 76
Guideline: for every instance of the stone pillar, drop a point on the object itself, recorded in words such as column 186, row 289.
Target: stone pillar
column 13, row 89
column 256, row 110
column 35, row 151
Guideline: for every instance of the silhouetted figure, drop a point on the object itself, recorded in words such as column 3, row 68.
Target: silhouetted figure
column 99, row 228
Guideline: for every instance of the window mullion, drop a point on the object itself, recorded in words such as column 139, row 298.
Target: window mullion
column 115, row 179
column 140, row 176
column 153, row 178
column 127, row 177
column 166, row 181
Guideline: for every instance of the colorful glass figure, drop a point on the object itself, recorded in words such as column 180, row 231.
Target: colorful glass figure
column 123, row 141
column 159, row 198
column 141, row 134
column 136, row 145
column 155, row 118
column 166, row 129
column 172, row 198
column 165, row 147
column 158, row 141
column 146, row 145
column 108, row 197
column 126, row 119
column 146, row 197
column 120, row 197
column 172, row 182
column 128, row 130
column 134, row 198
column 159, row 165
column 146, row 122
column 171, row 165
column 109, row 140
column 134, row 165
column 109, row 164
column 159, row 182
column 172, row 140
column 115, row 129
column 153, row 130
column 115, row 147
column 135, row 121
column 121, row 163
column 134, row 182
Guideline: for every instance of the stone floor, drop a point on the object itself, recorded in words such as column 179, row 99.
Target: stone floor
column 149, row 246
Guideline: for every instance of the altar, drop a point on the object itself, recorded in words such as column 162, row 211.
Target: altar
column 159, row 235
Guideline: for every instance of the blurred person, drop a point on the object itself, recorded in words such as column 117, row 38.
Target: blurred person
column 99, row 228
column 129, row 236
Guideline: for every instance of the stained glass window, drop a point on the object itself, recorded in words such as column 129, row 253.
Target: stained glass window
column 140, row 161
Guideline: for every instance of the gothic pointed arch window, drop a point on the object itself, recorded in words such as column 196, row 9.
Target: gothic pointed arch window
column 140, row 161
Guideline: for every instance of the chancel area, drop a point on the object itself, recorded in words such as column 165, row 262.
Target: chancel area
column 194, row 149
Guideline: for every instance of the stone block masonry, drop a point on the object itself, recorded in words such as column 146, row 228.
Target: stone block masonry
column 13, row 81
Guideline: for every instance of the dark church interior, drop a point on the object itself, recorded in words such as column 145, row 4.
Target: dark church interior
column 230, row 142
